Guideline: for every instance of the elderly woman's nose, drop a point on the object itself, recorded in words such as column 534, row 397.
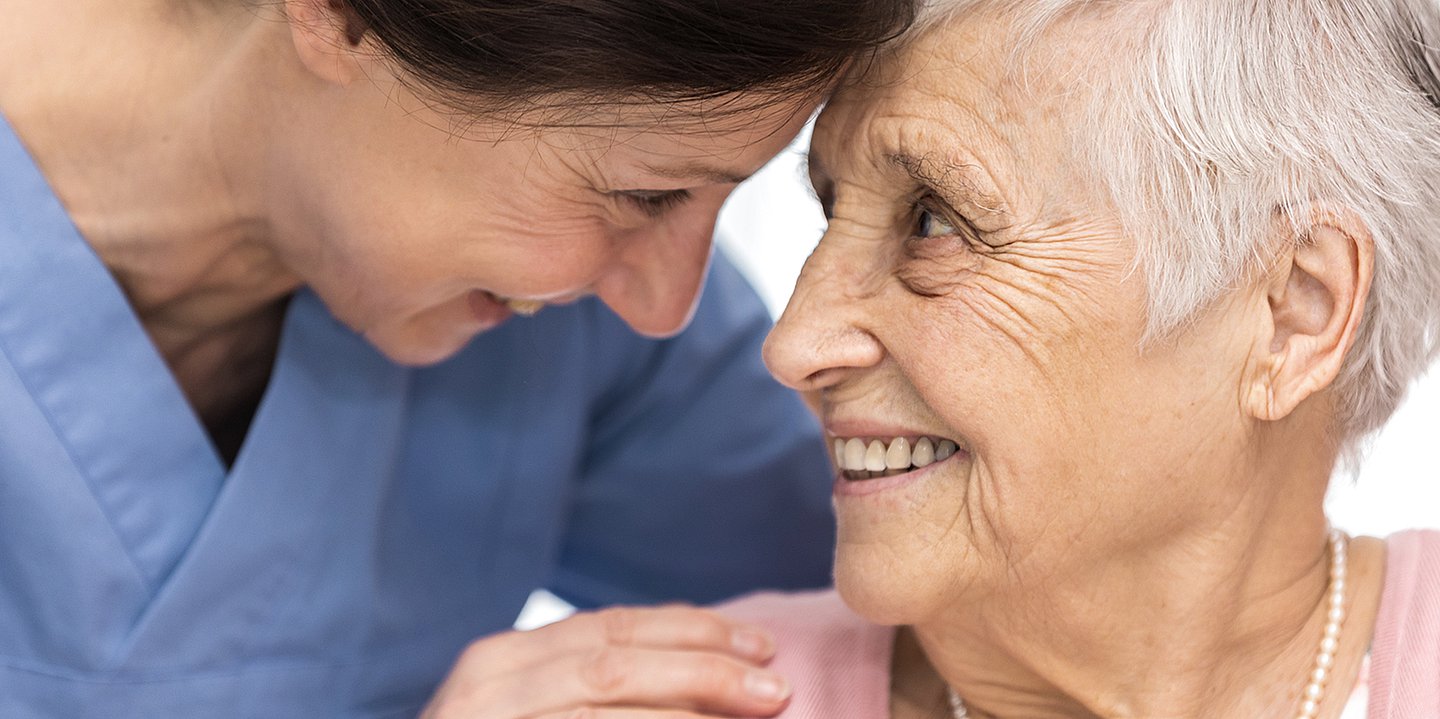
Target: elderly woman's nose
column 655, row 283
column 819, row 341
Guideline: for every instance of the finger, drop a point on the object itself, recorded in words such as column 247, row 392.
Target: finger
column 701, row 682
column 670, row 627
column 626, row 713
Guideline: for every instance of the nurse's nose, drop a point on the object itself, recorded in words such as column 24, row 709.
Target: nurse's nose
column 655, row 283
column 822, row 339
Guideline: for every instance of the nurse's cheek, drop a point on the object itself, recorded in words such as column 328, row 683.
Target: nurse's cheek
column 617, row 664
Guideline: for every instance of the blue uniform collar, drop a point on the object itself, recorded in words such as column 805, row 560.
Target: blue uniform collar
column 83, row 355
column 69, row 331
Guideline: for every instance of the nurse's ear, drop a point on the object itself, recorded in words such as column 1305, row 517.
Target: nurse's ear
column 330, row 39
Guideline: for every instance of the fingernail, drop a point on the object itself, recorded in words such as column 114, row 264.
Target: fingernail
column 767, row 686
column 752, row 643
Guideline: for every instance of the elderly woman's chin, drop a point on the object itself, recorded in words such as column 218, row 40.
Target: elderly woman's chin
column 890, row 588
column 901, row 560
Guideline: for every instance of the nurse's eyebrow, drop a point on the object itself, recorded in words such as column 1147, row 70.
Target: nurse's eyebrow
column 692, row 171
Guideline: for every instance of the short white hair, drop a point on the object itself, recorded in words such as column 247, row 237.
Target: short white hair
column 1209, row 119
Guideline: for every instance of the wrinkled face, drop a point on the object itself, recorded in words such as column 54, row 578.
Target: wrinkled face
column 413, row 228
column 974, row 337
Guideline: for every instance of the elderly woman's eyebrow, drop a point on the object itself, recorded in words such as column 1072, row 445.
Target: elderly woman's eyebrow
column 924, row 168
column 948, row 177
column 909, row 163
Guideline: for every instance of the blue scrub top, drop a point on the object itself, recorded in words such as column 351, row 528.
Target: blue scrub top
column 378, row 518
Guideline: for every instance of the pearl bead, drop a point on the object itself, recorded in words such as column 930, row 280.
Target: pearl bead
column 1319, row 675
column 1325, row 660
column 1310, row 708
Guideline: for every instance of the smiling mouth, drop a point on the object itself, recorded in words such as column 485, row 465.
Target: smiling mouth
column 524, row 308
column 862, row 458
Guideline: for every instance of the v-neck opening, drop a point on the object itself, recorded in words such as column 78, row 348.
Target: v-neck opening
column 89, row 365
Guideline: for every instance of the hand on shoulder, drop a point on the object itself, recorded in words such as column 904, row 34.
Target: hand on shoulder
column 675, row 662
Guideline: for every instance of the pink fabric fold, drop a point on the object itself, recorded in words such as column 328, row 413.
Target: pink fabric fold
column 839, row 664
column 1405, row 653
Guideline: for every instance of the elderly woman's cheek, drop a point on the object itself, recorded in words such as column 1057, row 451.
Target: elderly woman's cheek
column 1051, row 309
column 937, row 267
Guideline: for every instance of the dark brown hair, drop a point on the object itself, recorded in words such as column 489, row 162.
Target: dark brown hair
column 503, row 55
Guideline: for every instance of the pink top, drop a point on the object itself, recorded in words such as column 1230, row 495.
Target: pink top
column 839, row 664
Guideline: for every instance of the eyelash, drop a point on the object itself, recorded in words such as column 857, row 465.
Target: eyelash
column 656, row 203
column 923, row 203
column 938, row 212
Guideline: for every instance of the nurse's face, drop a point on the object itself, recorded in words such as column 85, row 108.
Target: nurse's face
column 414, row 226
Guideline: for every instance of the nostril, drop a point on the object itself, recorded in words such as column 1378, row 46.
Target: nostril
column 802, row 356
column 821, row 379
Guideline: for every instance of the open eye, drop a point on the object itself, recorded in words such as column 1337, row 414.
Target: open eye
column 929, row 223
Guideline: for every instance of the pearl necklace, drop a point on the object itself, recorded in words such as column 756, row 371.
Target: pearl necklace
column 1324, row 657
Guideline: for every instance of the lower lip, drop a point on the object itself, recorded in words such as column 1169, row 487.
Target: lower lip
column 486, row 310
column 862, row 487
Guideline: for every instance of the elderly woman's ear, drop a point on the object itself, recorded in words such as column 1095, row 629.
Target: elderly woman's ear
column 1315, row 299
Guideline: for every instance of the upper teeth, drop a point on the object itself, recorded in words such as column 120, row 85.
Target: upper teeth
column 524, row 308
column 856, row 454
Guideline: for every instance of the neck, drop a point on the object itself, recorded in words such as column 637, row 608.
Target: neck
column 1221, row 621
column 157, row 156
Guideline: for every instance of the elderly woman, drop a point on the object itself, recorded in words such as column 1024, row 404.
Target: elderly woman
column 271, row 442
column 1109, row 291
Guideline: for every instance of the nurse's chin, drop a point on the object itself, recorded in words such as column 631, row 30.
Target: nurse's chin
column 410, row 345
column 419, row 356
column 435, row 334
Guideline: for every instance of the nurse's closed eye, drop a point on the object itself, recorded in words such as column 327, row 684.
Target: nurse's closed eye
column 655, row 202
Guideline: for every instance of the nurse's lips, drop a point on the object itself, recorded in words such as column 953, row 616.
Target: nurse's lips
column 488, row 310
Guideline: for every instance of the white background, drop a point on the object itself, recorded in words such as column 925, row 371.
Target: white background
column 772, row 222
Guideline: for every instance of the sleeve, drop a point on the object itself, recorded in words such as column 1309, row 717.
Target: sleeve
column 703, row 478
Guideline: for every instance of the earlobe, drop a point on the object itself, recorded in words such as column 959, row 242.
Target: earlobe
column 328, row 37
column 1315, row 299
column 1260, row 398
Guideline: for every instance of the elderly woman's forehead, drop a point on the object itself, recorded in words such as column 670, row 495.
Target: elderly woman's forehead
column 955, row 54
column 950, row 85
